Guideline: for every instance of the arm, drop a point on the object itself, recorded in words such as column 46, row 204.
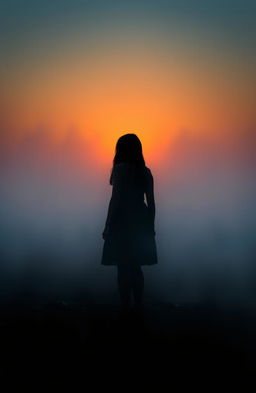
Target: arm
column 151, row 200
column 114, row 203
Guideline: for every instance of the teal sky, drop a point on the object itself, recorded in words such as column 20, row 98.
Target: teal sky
column 25, row 23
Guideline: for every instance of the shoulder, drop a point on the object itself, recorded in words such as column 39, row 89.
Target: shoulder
column 119, row 168
column 148, row 172
column 148, row 177
column 118, row 172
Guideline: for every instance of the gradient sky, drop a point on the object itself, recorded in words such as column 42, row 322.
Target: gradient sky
column 76, row 75
column 108, row 67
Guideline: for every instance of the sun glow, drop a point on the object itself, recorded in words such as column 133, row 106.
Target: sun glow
column 105, row 94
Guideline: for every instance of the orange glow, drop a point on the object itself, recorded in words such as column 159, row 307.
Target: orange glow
column 106, row 96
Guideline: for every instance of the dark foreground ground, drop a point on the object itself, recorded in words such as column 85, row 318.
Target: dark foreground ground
column 48, row 347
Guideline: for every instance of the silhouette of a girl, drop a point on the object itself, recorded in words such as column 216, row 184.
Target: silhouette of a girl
column 129, row 231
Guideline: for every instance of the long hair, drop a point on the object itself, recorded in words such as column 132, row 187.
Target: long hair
column 128, row 150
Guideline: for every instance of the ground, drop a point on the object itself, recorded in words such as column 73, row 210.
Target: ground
column 69, row 344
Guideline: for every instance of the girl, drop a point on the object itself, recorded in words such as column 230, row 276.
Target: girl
column 129, row 233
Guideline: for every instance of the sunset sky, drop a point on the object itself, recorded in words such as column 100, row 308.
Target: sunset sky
column 105, row 67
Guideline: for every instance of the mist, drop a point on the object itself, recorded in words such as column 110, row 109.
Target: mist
column 54, row 200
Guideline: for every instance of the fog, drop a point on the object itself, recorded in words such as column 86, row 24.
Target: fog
column 54, row 199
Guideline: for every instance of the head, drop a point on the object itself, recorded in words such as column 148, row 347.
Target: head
column 129, row 149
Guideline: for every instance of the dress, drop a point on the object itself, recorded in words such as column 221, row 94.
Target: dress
column 130, row 222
